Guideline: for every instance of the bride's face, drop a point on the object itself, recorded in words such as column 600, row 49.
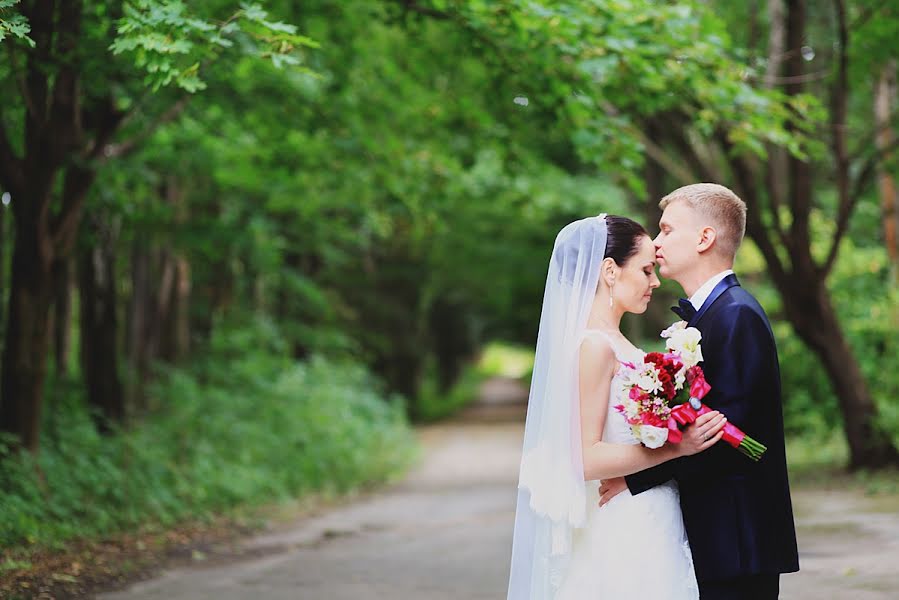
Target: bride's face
column 637, row 279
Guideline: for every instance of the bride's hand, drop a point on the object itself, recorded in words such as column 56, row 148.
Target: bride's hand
column 702, row 434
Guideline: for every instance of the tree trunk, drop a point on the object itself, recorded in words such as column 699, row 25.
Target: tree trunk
column 141, row 308
column 453, row 340
column 806, row 299
column 174, row 321
column 99, row 328
column 27, row 336
column 3, row 282
column 811, row 312
column 63, row 275
column 655, row 178
column 777, row 177
column 174, row 304
column 884, row 104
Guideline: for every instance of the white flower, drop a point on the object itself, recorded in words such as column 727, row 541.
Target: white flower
column 649, row 381
column 674, row 327
column 686, row 343
column 644, row 376
column 653, row 437
column 680, row 377
column 631, row 409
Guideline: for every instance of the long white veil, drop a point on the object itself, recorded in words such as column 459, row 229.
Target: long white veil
column 551, row 491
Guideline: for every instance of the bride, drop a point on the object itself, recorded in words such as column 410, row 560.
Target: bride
column 567, row 547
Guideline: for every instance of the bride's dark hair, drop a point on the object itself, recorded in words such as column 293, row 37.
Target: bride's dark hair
column 623, row 238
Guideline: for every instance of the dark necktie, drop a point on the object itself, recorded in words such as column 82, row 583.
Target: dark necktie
column 684, row 309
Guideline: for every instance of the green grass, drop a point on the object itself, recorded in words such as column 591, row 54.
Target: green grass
column 244, row 427
column 822, row 462
column 498, row 359
column 506, row 360
column 434, row 405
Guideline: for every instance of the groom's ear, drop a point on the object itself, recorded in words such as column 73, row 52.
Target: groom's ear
column 707, row 238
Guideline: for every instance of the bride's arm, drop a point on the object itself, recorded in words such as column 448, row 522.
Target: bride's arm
column 603, row 460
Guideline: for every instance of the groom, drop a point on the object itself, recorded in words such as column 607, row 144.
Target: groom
column 737, row 513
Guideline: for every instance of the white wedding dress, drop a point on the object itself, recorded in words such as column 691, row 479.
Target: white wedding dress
column 634, row 547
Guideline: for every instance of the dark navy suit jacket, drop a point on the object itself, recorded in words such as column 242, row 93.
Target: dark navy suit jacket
column 737, row 513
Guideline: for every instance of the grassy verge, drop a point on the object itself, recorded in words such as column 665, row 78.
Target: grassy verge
column 243, row 429
column 820, row 462
column 497, row 360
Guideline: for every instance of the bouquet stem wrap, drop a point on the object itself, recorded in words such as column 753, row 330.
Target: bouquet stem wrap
column 686, row 413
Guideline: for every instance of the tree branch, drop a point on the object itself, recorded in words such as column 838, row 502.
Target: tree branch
column 869, row 168
column 19, row 75
column 776, row 175
column 746, row 189
column 800, row 180
column 777, row 39
column 866, row 15
column 870, row 139
column 680, row 138
column 839, row 94
column 654, row 151
column 65, row 114
column 40, row 17
column 785, row 80
column 78, row 180
column 105, row 152
column 427, row 11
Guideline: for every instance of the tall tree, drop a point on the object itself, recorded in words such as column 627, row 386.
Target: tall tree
column 886, row 103
column 782, row 198
column 80, row 107
column 756, row 129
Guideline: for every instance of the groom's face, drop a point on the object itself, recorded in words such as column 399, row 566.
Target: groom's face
column 676, row 244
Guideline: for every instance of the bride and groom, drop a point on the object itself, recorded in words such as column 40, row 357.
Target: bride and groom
column 602, row 517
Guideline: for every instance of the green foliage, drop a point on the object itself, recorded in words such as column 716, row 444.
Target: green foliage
column 507, row 360
column 608, row 66
column 398, row 209
column 869, row 314
column 170, row 44
column 435, row 404
column 12, row 23
column 246, row 426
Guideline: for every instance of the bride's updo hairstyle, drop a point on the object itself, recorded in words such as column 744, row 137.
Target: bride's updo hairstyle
column 623, row 238
column 584, row 238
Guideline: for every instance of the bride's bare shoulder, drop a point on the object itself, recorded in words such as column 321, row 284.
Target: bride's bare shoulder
column 597, row 353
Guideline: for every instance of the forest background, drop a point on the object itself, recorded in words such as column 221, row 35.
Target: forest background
column 243, row 247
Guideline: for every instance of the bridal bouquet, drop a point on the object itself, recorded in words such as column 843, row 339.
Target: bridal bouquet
column 666, row 390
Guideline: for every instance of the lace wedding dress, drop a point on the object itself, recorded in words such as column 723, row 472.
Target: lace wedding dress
column 634, row 547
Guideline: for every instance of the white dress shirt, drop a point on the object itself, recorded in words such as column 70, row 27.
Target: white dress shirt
column 706, row 288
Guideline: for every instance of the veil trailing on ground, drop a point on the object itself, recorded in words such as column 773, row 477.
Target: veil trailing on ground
column 551, row 490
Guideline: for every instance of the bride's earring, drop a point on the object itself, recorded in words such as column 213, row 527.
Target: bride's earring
column 611, row 287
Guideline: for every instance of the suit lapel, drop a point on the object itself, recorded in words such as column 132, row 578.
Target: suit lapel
column 723, row 285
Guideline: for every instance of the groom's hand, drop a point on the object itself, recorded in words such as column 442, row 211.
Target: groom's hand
column 609, row 488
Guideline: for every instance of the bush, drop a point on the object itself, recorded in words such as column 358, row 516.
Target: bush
column 245, row 427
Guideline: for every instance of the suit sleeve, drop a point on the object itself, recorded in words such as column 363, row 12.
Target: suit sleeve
column 641, row 481
column 745, row 387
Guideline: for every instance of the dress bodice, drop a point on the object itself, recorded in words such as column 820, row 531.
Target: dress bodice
column 616, row 429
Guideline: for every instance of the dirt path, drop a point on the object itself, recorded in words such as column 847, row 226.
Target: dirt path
column 445, row 533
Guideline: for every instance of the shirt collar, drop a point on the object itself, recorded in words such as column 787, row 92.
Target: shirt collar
column 699, row 298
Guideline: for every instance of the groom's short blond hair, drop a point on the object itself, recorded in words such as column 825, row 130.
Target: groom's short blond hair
column 723, row 209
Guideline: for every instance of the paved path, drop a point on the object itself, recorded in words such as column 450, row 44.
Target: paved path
column 445, row 533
